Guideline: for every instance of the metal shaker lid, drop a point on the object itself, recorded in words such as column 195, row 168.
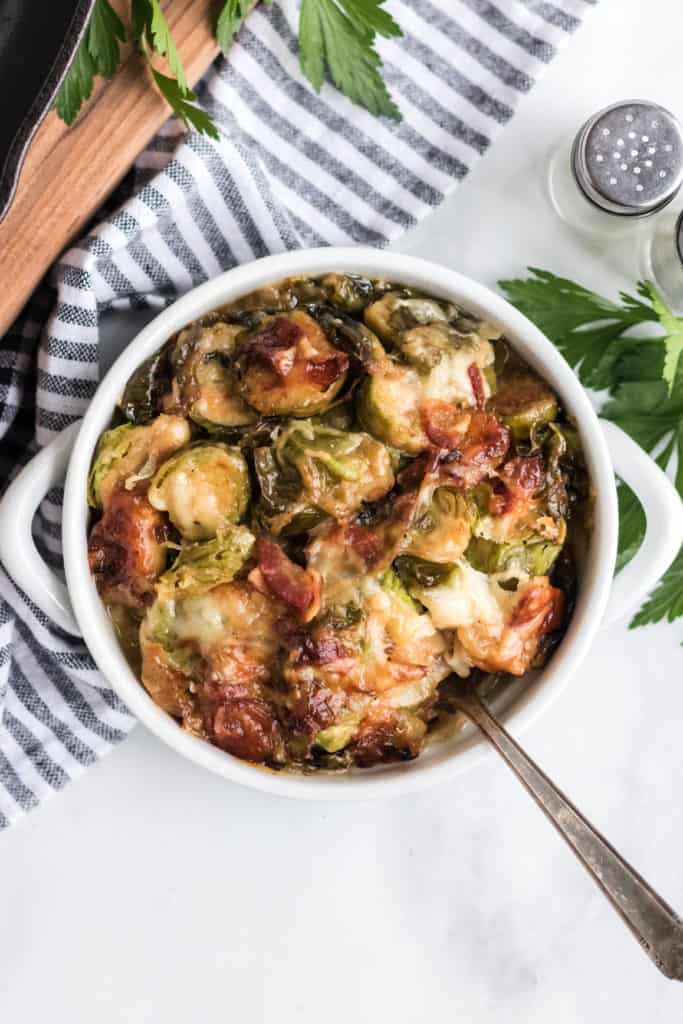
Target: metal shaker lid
column 628, row 158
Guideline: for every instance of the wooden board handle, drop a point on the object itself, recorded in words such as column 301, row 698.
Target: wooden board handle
column 70, row 171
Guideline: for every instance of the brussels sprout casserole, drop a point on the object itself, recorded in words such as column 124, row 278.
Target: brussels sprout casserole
column 318, row 502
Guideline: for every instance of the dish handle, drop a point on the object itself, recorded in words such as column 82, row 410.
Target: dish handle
column 663, row 522
column 18, row 551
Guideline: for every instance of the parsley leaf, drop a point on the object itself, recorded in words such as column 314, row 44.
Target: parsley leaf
column 151, row 28
column 631, row 526
column 152, row 31
column 667, row 600
column 183, row 106
column 98, row 54
column 587, row 328
column 230, row 20
column 673, row 343
column 339, row 35
column 644, row 377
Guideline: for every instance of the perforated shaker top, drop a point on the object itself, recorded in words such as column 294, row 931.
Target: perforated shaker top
column 628, row 158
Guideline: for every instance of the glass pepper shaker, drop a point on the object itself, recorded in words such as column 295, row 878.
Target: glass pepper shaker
column 625, row 164
column 661, row 258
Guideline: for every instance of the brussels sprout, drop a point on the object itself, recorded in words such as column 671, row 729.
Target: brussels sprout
column 314, row 467
column 205, row 564
column 338, row 736
column 421, row 573
column 396, row 312
column 392, row 584
column 351, row 336
column 443, row 526
column 205, row 377
column 388, row 408
column 142, row 396
column 533, row 557
column 438, row 365
column 348, row 292
column 524, row 401
column 287, row 367
column 128, row 454
column 203, row 488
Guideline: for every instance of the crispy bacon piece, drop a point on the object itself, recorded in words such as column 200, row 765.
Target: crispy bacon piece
column 321, row 650
column 313, row 706
column 477, row 382
column 538, row 610
column 366, row 541
column 444, row 425
column 126, row 549
column 297, row 587
column 379, row 543
column 275, row 344
column 481, row 450
column 277, row 334
column 519, row 478
column 246, row 729
column 327, row 369
column 236, row 714
column 383, row 736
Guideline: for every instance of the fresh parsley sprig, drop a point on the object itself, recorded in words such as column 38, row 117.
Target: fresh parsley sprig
column 340, row 35
column 335, row 36
column 98, row 54
column 643, row 375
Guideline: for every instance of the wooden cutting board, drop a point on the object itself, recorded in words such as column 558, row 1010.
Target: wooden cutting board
column 68, row 172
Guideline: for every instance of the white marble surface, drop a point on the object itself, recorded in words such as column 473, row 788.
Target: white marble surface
column 149, row 891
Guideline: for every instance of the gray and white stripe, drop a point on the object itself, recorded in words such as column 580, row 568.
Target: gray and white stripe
column 291, row 169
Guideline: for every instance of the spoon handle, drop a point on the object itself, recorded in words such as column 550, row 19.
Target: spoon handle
column 655, row 925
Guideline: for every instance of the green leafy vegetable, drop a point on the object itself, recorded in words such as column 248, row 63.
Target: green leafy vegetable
column 152, row 32
column 667, row 600
column 230, row 20
column 673, row 343
column 334, row 35
column 644, row 378
column 183, row 107
column 340, row 35
column 97, row 54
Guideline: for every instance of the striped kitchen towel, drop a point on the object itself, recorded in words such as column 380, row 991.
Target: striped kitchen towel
column 290, row 169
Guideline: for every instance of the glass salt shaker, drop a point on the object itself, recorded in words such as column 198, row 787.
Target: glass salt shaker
column 625, row 164
column 661, row 258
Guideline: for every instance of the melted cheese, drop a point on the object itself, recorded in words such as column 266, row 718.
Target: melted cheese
column 468, row 597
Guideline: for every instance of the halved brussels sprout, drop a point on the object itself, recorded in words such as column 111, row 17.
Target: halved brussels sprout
column 129, row 454
column 315, row 467
column 203, row 487
column 418, row 572
column 396, row 312
column 205, row 377
column 348, row 292
column 523, row 401
column 287, row 367
column 205, row 564
column 351, row 336
column 441, row 365
column 399, row 313
column 533, row 557
column 443, row 526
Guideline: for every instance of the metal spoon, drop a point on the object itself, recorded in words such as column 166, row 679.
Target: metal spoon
column 656, row 926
